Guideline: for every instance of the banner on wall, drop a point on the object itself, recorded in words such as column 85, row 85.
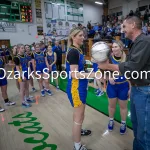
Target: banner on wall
column 26, row 1
column 74, row 11
column 61, row 27
column 48, row 23
column 63, row 32
column 55, row 11
column 62, row 20
column 39, row 21
column 7, row 27
column 38, row 13
column 56, row 1
column 40, row 30
column 38, row 4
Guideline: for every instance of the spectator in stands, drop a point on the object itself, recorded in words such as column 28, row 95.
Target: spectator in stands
column 95, row 27
column 42, row 46
column 33, row 46
column 53, row 38
column 113, row 30
column 89, row 26
column 122, row 34
column 138, row 13
column 149, row 30
column 97, row 37
column 80, row 26
column 109, row 32
column 117, row 29
column 146, row 16
column 85, row 32
column 91, row 32
column 131, row 13
column 116, row 18
column 103, row 20
column 99, row 27
column 145, row 29
column 58, row 50
column 102, row 32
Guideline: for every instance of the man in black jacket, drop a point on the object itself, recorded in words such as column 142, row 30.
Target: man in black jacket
column 137, row 70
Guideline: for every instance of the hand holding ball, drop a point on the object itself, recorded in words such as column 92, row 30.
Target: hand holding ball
column 100, row 52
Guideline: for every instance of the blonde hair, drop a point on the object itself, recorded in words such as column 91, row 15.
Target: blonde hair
column 37, row 44
column 120, row 44
column 73, row 32
column 19, row 45
column 49, row 46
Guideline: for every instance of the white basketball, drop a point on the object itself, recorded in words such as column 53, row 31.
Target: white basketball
column 100, row 51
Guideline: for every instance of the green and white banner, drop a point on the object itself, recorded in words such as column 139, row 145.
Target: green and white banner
column 64, row 11
column 74, row 11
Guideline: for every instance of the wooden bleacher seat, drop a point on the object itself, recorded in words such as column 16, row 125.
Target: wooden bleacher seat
column 117, row 38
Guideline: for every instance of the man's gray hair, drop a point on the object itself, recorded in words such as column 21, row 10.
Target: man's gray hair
column 137, row 20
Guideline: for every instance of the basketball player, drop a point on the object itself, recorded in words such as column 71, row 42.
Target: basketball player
column 40, row 68
column 99, row 91
column 12, row 64
column 29, row 53
column 2, row 55
column 117, row 89
column 77, row 87
column 7, row 54
column 51, row 59
column 3, row 84
column 21, row 62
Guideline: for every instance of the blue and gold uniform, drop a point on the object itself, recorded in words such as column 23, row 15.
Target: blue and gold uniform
column 29, row 56
column 14, row 68
column 50, row 60
column 95, row 67
column 40, row 62
column 11, row 58
column 3, row 80
column 121, row 87
column 76, row 88
column 23, row 63
column 7, row 53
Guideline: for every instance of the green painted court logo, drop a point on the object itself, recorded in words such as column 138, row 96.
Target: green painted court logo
column 34, row 128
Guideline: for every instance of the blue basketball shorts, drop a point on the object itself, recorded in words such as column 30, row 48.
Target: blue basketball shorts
column 53, row 69
column 3, row 82
column 42, row 69
column 119, row 91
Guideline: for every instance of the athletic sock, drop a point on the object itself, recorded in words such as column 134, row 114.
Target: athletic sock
column 123, row 122
column 100, row 89
column 111, row 119
column 77, row 145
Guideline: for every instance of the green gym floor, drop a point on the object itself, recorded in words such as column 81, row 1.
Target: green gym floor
column 98, row 103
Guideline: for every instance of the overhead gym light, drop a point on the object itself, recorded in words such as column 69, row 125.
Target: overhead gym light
column 100, row 3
